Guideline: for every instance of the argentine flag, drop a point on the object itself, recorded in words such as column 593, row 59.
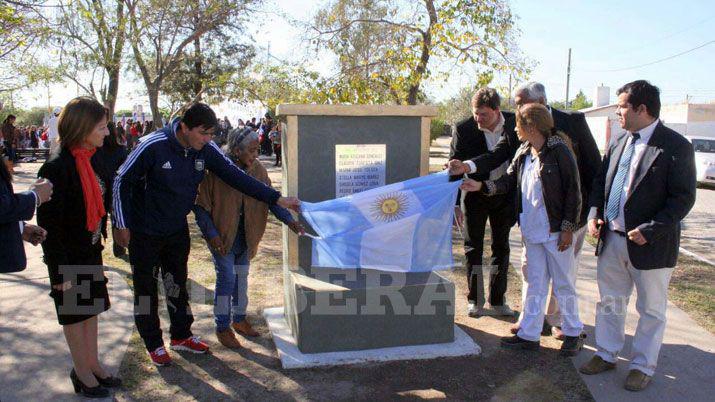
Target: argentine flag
column 401, row 227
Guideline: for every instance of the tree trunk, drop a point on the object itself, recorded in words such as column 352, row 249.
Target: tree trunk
column 424, row 58
column 112, row 90
column 153, row 92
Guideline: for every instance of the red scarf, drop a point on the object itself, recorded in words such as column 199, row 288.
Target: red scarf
column 93, row 201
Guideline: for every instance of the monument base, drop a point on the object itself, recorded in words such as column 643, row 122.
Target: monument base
column 337, row 310
column 291, row 357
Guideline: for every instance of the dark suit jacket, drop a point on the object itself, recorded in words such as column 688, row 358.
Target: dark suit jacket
column 662, row 194
column 13, row 209
column 468, row 142
column 584, row 147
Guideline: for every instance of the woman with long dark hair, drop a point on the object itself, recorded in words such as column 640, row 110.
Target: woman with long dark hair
column 74, row 219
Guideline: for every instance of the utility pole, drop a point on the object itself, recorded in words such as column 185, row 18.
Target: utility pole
column 568, row 77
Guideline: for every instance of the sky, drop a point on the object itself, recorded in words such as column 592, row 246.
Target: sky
column 611, row 41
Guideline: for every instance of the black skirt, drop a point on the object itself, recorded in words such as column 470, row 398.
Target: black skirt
column 88, row 296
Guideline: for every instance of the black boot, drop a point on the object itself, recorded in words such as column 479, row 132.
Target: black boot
column 572, row 345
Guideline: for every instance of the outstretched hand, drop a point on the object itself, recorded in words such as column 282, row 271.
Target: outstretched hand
column 457, row 167
column 292, row 203
column 296, row 227
column 471, row 185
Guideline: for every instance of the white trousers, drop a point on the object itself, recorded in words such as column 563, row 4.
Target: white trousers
column 553, row 315
column 616, row 277
column 544, row 263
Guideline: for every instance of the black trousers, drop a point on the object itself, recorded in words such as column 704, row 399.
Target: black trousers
column 500, row 212
column 152, row 257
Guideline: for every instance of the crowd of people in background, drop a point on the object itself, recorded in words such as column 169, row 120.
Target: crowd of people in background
column 129, row 132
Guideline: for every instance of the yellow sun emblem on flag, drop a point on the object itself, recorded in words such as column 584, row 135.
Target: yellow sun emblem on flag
column 389, row 207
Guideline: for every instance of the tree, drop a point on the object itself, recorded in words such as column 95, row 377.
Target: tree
column 90, row 35
column 162, row 31
column 387, row 48
column 274, row 84
column 209, row 68
column 578, row 103
column 22, row 32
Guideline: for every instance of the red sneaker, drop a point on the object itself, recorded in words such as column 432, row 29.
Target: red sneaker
column 160, row 357
column 193, row 345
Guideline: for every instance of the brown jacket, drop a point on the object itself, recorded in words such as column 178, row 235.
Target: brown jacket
column 224, row 203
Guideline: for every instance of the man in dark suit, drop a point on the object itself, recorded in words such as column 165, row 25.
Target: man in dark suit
column 588, row 158
column 473, row 137
column 646, row 187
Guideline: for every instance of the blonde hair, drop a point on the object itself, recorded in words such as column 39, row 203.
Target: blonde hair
column 539, row 117
column 77, row 120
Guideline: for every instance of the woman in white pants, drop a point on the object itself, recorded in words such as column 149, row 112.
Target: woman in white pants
column 545, row 176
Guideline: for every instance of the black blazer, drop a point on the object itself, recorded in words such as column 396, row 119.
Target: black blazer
column 13, row 209
column 588, row 158
column 468, row 143
column 662, row 194
column 65, row 216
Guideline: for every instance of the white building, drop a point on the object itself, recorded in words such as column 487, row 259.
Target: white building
column 686, row 118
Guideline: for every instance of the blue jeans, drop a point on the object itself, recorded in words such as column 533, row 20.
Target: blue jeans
column 231, row 298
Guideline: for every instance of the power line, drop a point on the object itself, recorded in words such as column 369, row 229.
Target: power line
column 652, row 62
column 668, row 36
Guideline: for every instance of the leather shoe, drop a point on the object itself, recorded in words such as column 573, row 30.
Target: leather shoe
column 244, row 328
column 636, row 380
column 596, row 365
column 228, row 339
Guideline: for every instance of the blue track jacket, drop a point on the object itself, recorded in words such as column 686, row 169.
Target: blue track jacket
column 156, row 187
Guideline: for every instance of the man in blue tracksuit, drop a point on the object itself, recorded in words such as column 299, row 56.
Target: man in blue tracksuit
column 154, row 191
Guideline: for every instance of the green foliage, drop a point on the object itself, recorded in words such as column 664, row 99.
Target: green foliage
column 22, row 34
column 438, row 128
column 88, row 39
column 25, row 117
column 159, row 55
column 274, row 84
column 578, row 103
column 387, row 48
column 209, row 67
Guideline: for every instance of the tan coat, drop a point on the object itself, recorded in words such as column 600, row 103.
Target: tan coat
column 223, row 203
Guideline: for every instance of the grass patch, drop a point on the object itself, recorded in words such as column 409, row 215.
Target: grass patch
column 692, row 288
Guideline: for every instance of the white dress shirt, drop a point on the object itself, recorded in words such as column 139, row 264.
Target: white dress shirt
column 492, row 138
column 619, row 223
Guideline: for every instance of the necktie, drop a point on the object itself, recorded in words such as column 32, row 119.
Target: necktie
column 624, row 166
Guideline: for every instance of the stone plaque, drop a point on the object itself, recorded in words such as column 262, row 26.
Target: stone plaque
column 359, row 167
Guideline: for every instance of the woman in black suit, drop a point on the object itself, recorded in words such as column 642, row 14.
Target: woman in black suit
column 74, row 219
